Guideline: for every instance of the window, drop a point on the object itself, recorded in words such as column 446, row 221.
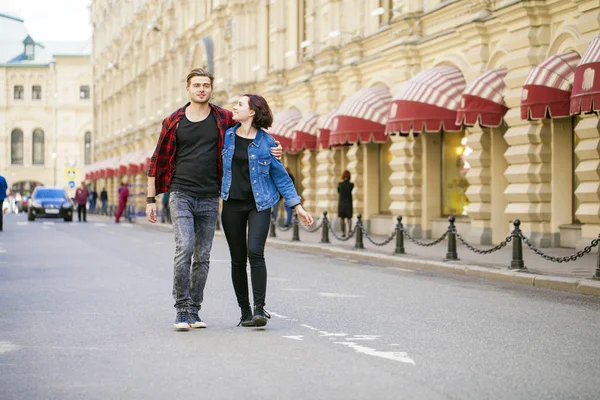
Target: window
column 16, row 147
column 19, row 92
column 36, row 92
column 38, row 147
column 84, row 92
column 87, row 156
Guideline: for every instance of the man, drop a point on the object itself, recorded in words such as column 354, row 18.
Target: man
column 3, row 187
column 187, row 164
column 81, row 198
column 123, row 196
column 104, row 200
column 93, row 200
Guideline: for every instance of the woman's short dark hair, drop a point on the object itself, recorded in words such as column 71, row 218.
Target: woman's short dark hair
column 263, row 117
column 346, row 175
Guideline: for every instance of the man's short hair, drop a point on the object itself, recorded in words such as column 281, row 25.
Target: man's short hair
column 199, row 72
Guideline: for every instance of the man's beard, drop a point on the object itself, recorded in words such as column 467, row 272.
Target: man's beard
column 202, row 101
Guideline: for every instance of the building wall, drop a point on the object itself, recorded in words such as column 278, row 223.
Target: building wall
column 314, row 54
column 63, row 118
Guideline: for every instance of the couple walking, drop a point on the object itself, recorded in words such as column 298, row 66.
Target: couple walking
column 204, row 152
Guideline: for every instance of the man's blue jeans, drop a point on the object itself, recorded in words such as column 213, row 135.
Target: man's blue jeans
column 194, row 224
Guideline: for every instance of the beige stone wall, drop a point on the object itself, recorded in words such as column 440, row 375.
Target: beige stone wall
column 64, row 119
column 313, row 54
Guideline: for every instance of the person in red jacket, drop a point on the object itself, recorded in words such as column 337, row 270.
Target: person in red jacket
column 123, row 195
column 82, row 194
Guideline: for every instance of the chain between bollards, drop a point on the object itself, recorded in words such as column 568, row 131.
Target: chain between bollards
column 325, row 229
column 451, row 255
column 359, row 234
column 517, row 258
column 399, row 237
column 295, row 228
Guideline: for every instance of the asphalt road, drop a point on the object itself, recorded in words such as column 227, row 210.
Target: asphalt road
column 86, row 313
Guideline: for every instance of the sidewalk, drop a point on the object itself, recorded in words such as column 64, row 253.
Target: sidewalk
column 574, row 276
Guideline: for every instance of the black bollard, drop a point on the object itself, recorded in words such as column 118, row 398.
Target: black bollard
column 597, row 275
column 517, row 257
column 295, row 228
column 451, row 255
column 359, row 234
column 325, row 231
column 399, row 237
column 273, row 227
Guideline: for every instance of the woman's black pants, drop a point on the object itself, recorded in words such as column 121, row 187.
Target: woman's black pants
column 239, row 217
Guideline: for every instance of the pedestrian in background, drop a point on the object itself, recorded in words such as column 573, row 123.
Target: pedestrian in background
column 82, row 194
column 93, row 200
column 104, row 201
column 166, row 214
column 252, row 182
column 345, row 202
column 3, row 187
column 187, row 163
column 288, row 210
column 123, row 196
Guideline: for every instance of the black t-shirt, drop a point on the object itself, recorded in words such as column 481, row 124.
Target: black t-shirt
column 241, row 188
column 196, row 158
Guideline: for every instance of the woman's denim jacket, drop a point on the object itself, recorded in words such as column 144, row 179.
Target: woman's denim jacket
column 268, row 176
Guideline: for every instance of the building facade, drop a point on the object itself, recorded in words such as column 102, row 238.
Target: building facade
column 46, row 131
column 485, row 110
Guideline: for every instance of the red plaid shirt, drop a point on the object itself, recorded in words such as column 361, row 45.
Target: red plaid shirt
column 162, row 163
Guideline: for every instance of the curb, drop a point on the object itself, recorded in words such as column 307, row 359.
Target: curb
column 573, row 285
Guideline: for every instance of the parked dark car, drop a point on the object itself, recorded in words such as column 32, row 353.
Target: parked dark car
column 50, row 202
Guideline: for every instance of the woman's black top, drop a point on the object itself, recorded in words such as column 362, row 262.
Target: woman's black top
column 345, row 201
column 241, row 188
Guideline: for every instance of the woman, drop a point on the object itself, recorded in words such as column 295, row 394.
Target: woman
column 345, row 202
column 252, row 181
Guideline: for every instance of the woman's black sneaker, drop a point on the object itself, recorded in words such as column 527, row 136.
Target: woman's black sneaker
column 246, row 318
column 260, row 316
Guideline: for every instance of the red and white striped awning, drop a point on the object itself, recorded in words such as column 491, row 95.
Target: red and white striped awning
column 585, row 96
column 428, row 102
column 547, row 89
column 362, row 117
column 283, row 127
column 483, row 100
column 324, row 129
column 305, row 134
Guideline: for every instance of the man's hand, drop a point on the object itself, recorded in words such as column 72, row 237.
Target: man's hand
column 151, row 212
column 277, row 151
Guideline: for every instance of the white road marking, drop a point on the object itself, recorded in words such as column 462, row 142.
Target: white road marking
column 99, row 224
column 22, row 223
column 299, row 337
column 364, row 337
column 340, row 295
column 278, row 315
column 5, row 347
column 399, row 356
column 48, row 223
column 394, row 344
column 2, row 251
column 126, row 225
column 110, row 231
column 327, row 334
column 309, row 327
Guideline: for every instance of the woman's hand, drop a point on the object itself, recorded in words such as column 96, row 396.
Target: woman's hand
column 305, row 218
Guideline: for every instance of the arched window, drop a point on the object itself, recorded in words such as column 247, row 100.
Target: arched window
column 87, row 156
column 16, row 147
column 38, row 147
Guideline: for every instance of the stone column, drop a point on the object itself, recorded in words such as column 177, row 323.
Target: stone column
column 431, row 184
column 562, row 185
column 327, row 196
column 588, row 173
column 356, row 167
column 528, row 154
column 309, row 182
column 406, row 181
